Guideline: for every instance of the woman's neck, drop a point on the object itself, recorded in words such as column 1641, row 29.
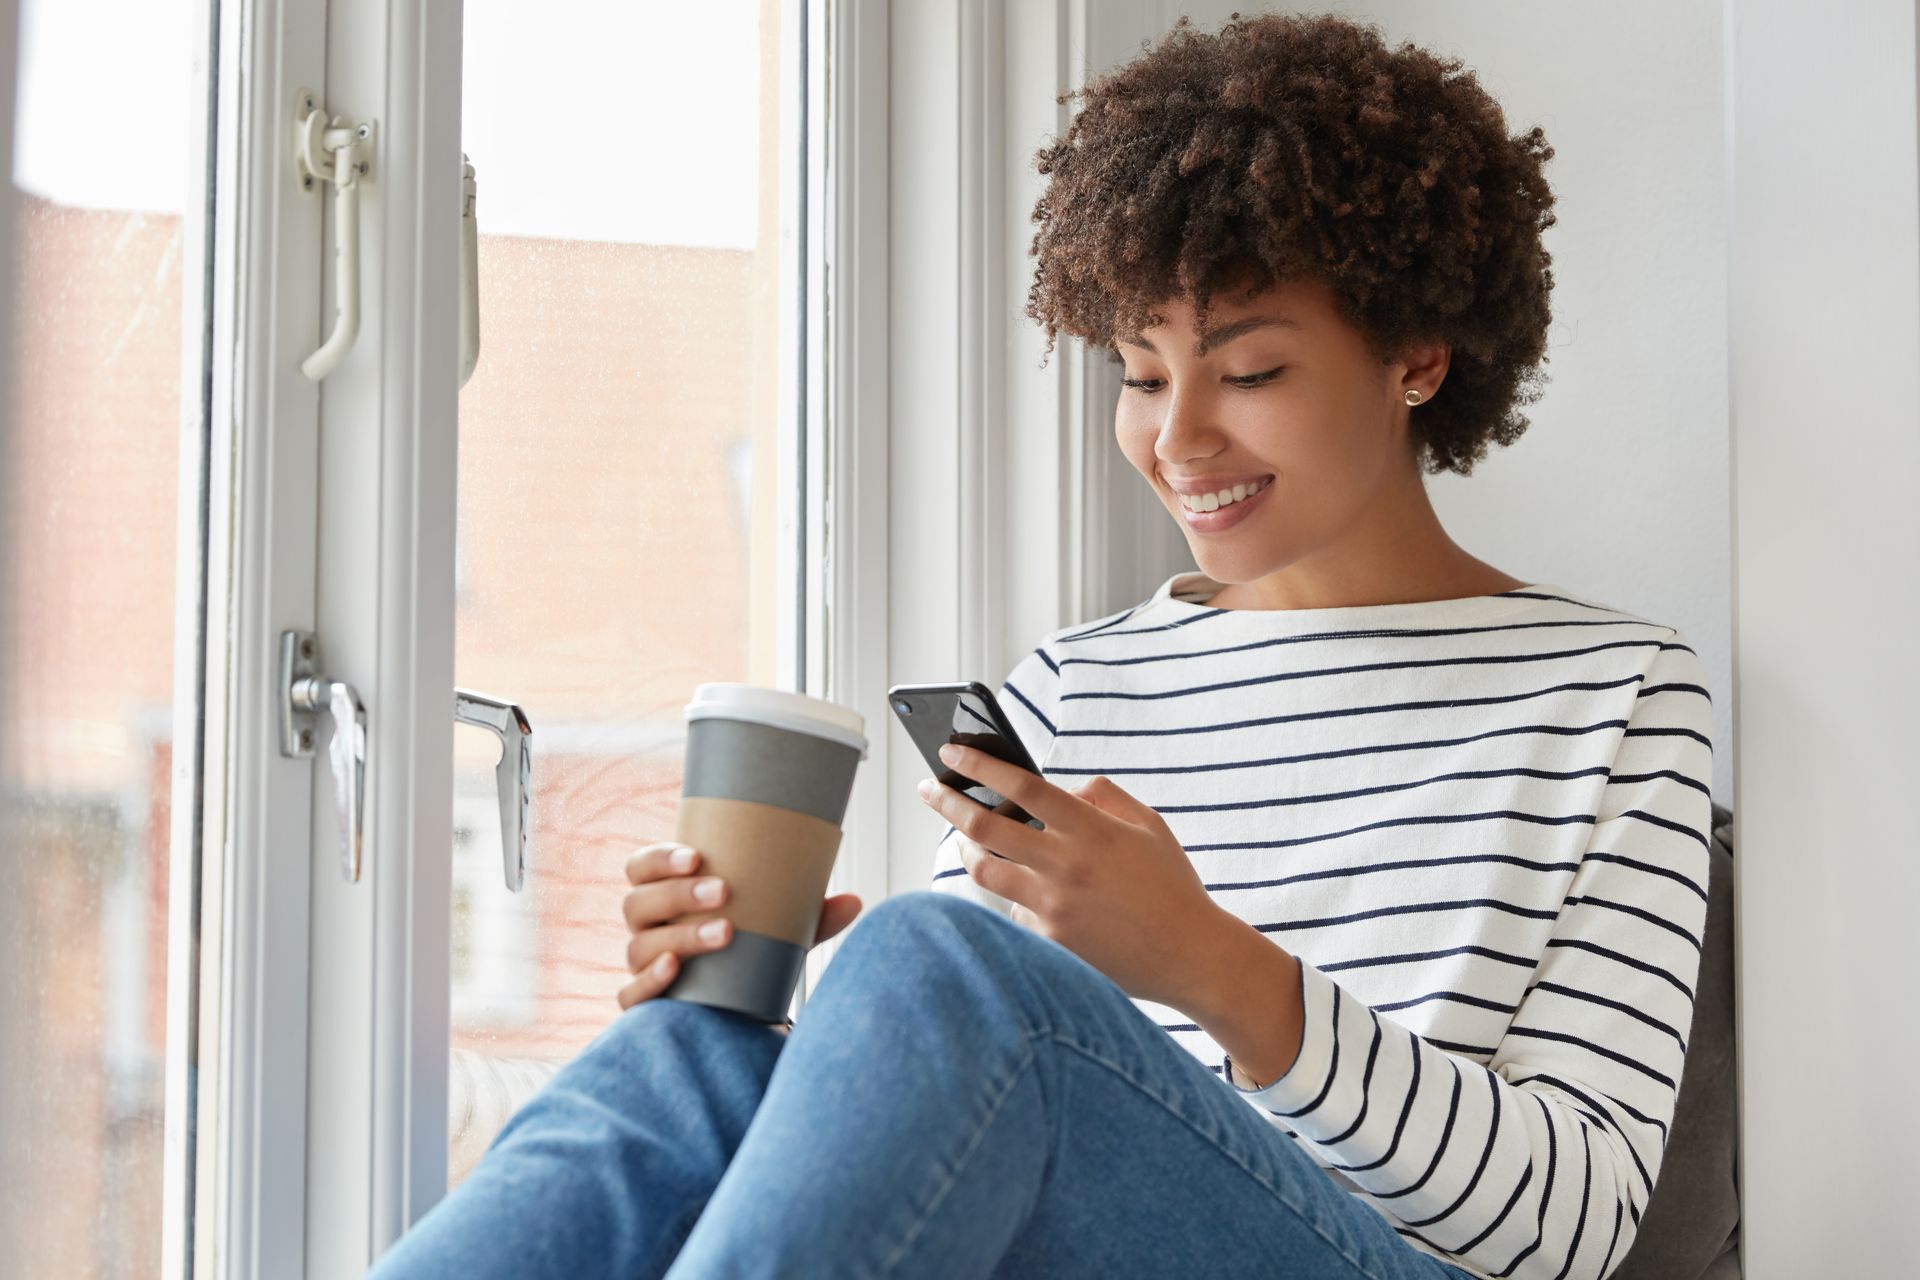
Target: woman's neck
column 1399, row 553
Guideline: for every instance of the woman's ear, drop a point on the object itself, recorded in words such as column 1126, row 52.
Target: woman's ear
column 1421, row 367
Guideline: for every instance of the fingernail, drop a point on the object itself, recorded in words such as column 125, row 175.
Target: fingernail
column 926, row 788
column 664, row 963
column 682, row 859
column 950, row 753
column 712, row 930
column 707, row 891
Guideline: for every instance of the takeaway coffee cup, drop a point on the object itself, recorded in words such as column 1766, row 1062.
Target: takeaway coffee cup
column 768, row 776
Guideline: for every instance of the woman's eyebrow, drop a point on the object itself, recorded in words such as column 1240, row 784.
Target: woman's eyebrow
column 1224, row 334
column 1221, row 336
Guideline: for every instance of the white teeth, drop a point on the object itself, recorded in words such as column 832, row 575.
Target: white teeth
column 1225, row 497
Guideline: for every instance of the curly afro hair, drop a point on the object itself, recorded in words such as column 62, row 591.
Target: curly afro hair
column 1288, row 146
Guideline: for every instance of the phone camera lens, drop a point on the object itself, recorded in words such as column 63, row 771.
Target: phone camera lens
column 904, row 707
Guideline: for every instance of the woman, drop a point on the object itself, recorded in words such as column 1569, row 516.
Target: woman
column 1362, row 934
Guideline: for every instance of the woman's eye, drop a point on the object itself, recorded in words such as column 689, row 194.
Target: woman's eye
column 1257, row 379
column 1147, row 386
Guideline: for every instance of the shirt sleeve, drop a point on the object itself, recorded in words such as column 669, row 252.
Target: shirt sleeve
column 1030, row 696
column 1539, row 1164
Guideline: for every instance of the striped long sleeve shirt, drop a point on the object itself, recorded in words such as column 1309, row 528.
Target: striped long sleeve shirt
column 1481, row 826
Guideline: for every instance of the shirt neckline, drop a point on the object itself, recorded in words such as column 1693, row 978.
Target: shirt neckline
column 1181, row 599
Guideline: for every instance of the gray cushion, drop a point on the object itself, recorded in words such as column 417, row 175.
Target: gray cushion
column 1690, row 1230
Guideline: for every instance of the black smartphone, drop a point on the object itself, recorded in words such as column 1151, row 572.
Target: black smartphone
column 965, row 712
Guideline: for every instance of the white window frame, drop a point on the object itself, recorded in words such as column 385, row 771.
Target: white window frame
column 322, row 1105
column 250, row 1182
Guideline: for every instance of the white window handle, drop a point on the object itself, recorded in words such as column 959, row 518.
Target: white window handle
column 337, row 150
column 469, row 273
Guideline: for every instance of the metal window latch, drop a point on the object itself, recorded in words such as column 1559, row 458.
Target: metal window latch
column 338, row 150
column 513, row 774
column 303, row 693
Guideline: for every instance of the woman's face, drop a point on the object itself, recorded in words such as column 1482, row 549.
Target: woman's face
column 1287, row 407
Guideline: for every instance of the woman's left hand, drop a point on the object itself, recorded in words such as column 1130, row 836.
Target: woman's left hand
column 1106, row 879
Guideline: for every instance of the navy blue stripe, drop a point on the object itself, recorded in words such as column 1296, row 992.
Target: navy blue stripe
column 1674, row 686
column 1408, row 908
column 1379, row 708
column 1400, row 864
column 1668, row 823
column 1314, row 637
column 1427, row 744
column 1606, row 1263
column 1367, row 962
column 1357, row 668
column 1098, row 627
column 1561, row 1037
column 1162, row 628
column 1458, row 997
column 1652, row 732
column 1455, row 1046
column 1333, row 1067
column 1325, row 797
column 1586, row 1192
column 1619, row 778
column 1629, row 961
column 1366, row 1088
column 1650, row 869
column 1618, row 1005
column 1598, row 608
column 1027, row 702
column 1417, row 820
column 1051, row 664
column 1608, row 905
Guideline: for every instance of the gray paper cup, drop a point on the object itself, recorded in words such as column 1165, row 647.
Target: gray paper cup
column 768, row 776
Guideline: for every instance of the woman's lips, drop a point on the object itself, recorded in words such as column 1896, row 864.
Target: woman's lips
column 1224, row 518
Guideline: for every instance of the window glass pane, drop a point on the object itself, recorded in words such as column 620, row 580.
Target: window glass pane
column 620, row 467
column 102, row 170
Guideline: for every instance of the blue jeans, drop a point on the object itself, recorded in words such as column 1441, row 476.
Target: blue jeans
column 961, row 1096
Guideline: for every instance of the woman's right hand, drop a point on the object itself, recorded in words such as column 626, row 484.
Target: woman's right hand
column 662, row 894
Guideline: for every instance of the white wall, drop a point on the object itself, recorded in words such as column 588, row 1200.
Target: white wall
column 1825, row 291
column 1619, row 489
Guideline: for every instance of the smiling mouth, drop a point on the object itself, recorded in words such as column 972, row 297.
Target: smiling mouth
column 1202, row 502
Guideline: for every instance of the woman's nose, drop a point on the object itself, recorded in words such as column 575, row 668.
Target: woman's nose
column 1186, row 432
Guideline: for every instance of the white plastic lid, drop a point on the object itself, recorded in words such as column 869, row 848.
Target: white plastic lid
column 781, row 708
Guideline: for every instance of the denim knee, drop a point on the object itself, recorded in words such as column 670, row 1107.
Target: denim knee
column 955, row 944
column 920, row 910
